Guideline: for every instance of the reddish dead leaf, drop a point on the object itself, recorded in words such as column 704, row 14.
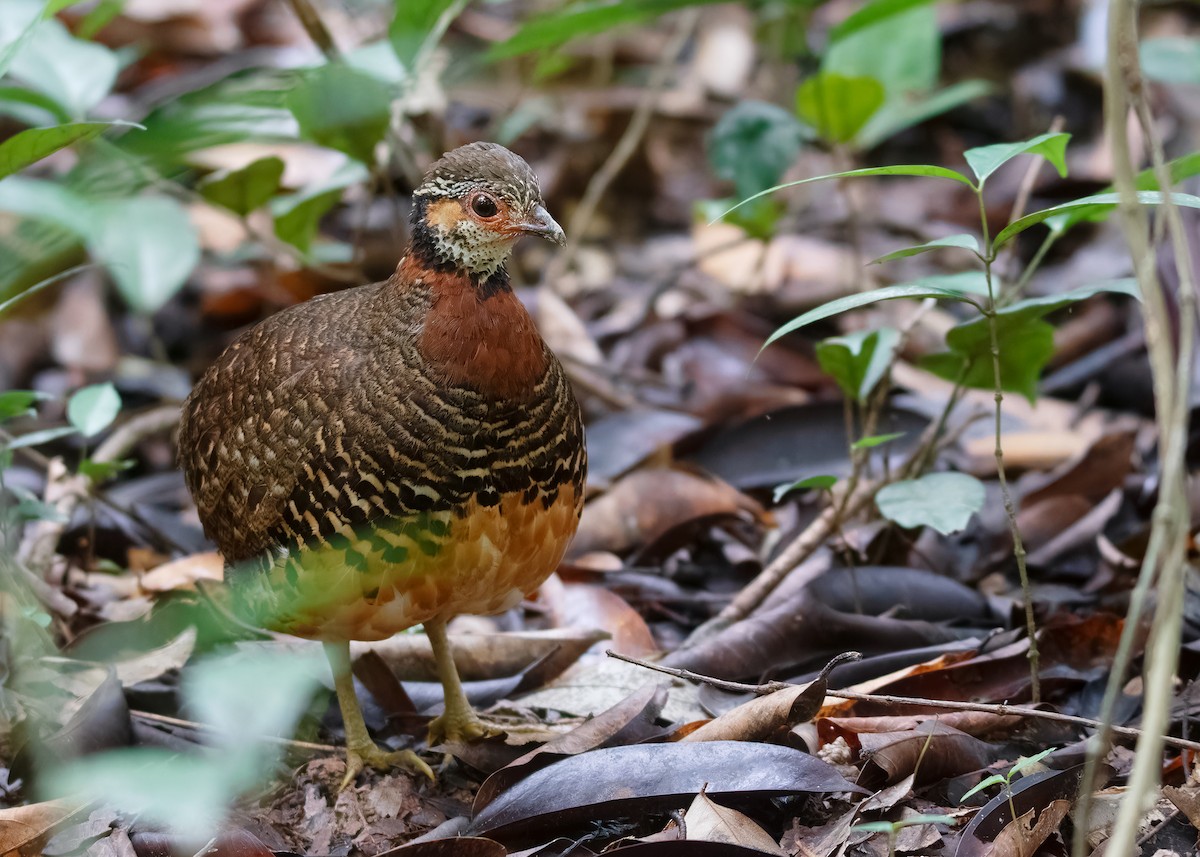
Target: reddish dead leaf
column 584, row 606
column 229, row 843
column 931, row 752
column 1093, row 475
column 646, row 504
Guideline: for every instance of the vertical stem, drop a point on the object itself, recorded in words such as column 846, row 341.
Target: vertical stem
column 1035, row 688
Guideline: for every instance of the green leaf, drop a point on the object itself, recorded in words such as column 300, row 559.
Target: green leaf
column 92, row 409
column 872, row 441
column 896, row 43
column 820, row 483
column 29, row 107
column 77, row 74
column 858, row 360
column 758, row 219
column 926, row 818
column 586, row 18
column 1092, row 207
column 1028, row 761
column 243, row 107
column 899, row 170
column 19, row 403
column 993, row 780
column 752, row 145
column 985, row 160
column 102, row 471
column 37, row 438
column 242, row 191
column 45, row 200
column 838, row 106
column 33, row 144
column 943, row 501
column 900, row 114
column 964, row 240
column 1026, row 342
column 888, row 827
column 1171, row 59
column 417, row 22
column 298, row 215
column 342, row 108
column 148, row 245
column 1181, row 168
column 887, row 293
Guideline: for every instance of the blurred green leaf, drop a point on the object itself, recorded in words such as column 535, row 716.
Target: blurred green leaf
column 415, row 23
column 298, row 215
column 102, row 471
column 586, row 18
column 92, row 409
column 872, row 441
column 857, row 361
column 342, row 108
column 985, row 160
column 148, row 245
column 964, row 241
column 183, row 793
column 1026, row 342
column 820, row 483
column 901, row 113
column 30, row 108
column 838, row 106
column 887, row 293
column 19, row 403
column 943, row 501
column 752, row 145
column 993, row 780
column 757, row 220
column 1091, row 207
column 1171, row 59
column 1029, row 761
column 37, row 438
column 247, row 106
column 896, row 43
column 33, row 144
column 75, row 73
column 16, row 26
column 242, row 191
column 898, row 170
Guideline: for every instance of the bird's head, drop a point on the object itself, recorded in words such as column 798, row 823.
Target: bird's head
column 473, row 205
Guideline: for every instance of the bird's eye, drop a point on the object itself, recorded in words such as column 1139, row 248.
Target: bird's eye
column 484, row 206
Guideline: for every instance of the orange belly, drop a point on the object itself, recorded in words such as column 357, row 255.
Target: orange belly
column 393, row 574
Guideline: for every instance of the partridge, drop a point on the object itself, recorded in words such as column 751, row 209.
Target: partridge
column 398, row 453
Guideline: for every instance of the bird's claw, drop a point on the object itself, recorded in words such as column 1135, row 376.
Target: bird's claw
column 370, row 755
column 455, row 728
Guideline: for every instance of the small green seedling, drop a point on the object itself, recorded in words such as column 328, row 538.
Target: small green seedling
column 1006, row 779
column 893, row 828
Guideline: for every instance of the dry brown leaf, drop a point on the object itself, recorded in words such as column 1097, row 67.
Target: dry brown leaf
column 184, row 572
column 24, row 829
column 710, row 822
column 764, row 716
column 1022, row 837
column 1188, row 801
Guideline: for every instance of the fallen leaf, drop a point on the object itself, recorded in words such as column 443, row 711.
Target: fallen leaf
column 711, row 822
column 24, row 829
column 184, row 572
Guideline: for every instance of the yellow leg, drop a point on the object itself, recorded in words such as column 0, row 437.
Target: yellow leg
column 360, row 749
column 458, row 722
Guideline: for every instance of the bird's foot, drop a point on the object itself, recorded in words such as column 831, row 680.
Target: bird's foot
column 459, row 727
column 371, row 755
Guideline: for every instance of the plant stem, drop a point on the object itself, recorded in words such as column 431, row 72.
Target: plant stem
column 1035, row 689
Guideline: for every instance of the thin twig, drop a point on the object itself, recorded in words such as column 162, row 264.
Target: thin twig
column 204, row 727
column 310, row 20
column 887, row 699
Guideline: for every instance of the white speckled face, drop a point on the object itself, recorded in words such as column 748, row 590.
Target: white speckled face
column 478, row 200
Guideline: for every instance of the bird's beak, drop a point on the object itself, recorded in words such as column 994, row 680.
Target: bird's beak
column 540, row 223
